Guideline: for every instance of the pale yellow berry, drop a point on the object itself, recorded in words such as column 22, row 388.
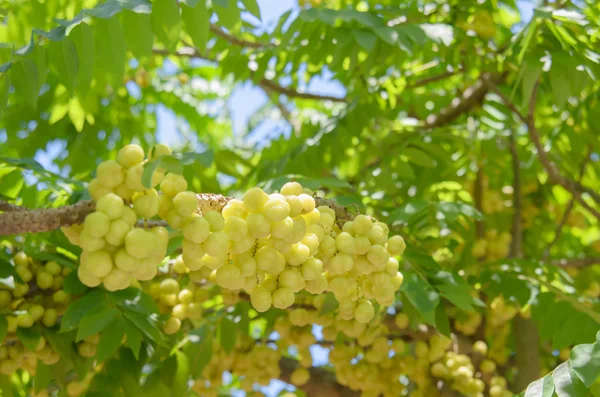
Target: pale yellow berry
column 130, row 155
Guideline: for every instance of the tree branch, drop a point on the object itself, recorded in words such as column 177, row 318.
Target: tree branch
column 527, row 339
column 322, row 383
column 433, row 79
column 565, row 217
column 189, row 52
column 272, row 86
column 575, row 188
column 217, row 31
column 6, row 207
column 44, row 220
column 471, row 97
column 581, row 262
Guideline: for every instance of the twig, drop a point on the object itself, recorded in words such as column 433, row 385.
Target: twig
column 565, row 217
column 6, row 207
column 581, row 262
column 217, row 31
column 433, row 79
column 269, row 84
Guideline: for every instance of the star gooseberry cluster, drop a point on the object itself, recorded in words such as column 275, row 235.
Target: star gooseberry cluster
column 115, row 251
column 270, row 245
column 275, row 245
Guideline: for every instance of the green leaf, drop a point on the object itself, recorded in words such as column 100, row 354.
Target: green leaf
column 146, row 324
column 560, row 82
column 410, row 211
column 29, row 337
column 455, row 289
column 110, row 50
column 176, row 374
column 96, row 321
column 205, row 158
column 543, row 387
column 3, row 328
column 4, row 90
column 134, row 338
column 64, row 62
column 252, row 7
column 73, row 285
column 24, row 76
column 227, row 334
column 135, row 300
column 78, row 309
column 43, row 376
column 199, row 350
column 442, row 323
column 365, row 39
column 228, row 13
column 585, row 360
column 138, row 33
column 530, row 72
column 422, row 297
column 567, row 384
column 149, row 169
column 11, row 184
column 166, row 22
column 419, row 157
column 83, row 39
column 330, row 304
column 110, row 339
column 197, row 23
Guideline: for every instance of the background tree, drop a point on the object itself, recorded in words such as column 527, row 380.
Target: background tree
column 466, row 127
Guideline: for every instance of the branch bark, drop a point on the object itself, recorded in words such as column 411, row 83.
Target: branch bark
column 47, row 219
column 6, row 207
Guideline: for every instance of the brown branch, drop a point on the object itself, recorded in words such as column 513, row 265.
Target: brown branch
column 470, row 97
column 322, row 382
column 575, row 188
column 433, row 79
column 270, row 85
column 189, row 52
column 45, row 220
column 6, row 207
column 234, row 40
column 565, row 217
column 527, row 338
column 581, row 262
